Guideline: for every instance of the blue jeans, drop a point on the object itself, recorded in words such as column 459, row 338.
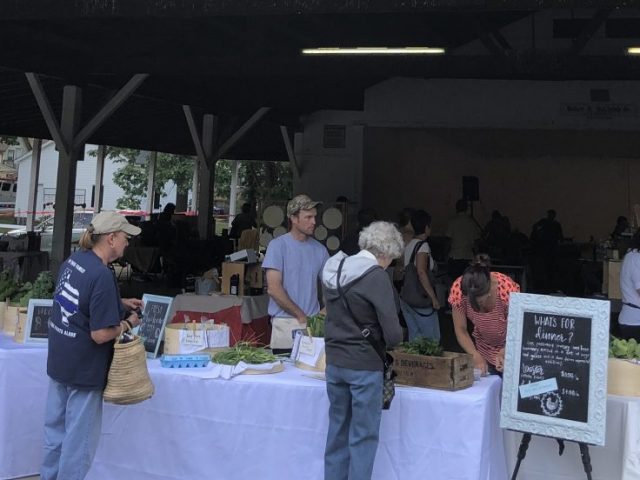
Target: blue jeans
column 421, row 322
column 355, row 409
column 73, row 420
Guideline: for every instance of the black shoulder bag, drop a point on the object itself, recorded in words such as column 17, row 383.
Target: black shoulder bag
column 412, row 291
column 388, row 387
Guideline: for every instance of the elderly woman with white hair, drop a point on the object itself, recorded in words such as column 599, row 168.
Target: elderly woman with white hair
column 358, row 286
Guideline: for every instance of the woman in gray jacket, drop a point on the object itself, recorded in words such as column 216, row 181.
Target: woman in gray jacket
column 354, row 369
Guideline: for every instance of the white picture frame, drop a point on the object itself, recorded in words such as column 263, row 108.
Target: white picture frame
column 548, row 315
column 149, row 302
column 29, row 335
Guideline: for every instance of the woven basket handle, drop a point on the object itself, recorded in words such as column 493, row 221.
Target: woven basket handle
column 124, row 326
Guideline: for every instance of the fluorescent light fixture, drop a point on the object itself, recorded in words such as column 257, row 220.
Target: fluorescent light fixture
column 373, row 51
column 633, row 50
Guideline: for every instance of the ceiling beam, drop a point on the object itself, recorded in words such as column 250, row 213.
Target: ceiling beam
column 45, row 9
column 109, row 108
column 47, row 112
column 589, row 30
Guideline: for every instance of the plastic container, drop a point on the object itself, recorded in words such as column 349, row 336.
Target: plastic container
column 185, row 361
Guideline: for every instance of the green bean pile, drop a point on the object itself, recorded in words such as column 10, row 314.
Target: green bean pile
column 244, row 352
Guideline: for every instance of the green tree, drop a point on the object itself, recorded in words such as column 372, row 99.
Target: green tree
column 132, row 177
column 8, row 140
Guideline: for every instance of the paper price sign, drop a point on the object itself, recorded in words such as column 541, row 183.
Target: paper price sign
column 193, row 338
column 306, row 346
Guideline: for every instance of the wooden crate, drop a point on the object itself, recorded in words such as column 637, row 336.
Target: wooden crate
column 452, row 371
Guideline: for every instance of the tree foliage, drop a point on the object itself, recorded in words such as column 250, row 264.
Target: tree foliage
column 8, row 140
column 257, row 181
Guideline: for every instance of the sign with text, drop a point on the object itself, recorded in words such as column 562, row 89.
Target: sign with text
column 154, row 318
column 556, row 367
column 39, row 313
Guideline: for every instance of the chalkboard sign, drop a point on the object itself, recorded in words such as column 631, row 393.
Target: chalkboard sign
column 38, row 315
column 154, row 318
column 556, row 367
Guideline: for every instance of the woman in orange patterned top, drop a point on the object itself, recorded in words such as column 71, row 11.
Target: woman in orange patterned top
column 482, row 296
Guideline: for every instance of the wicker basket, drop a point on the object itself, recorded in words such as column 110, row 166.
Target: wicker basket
column 128, row 381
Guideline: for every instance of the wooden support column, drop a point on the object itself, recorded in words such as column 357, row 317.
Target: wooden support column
column 70, row 140
column 151, row 182
column 208, row 154
column 66, row 181
column 32, row 200
column 99, row 187
column 207, row 176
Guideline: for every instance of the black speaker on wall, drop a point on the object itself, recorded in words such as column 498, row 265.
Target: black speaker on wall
column 471, row 189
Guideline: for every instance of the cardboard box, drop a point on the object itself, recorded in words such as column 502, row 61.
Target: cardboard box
column 623, row 378
column 452, row 371
column 250, row 277
column 228, row 270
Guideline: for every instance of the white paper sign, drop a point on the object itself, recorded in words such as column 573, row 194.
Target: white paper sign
column 192, row 340
column 306, row 346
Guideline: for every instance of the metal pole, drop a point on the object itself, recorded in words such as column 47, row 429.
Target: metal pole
column 151, row 183
column 32, row 201
column 99, row 187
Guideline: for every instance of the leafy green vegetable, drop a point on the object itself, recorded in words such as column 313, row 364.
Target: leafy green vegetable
column 315, row 324
column 42, row 288
column 244, row 352
column 422, row 346
column 628, row 349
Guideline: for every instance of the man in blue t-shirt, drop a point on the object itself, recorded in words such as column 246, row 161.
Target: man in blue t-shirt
column 293, row 263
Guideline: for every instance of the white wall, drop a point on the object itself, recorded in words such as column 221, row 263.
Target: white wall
column 85, row 179
column 545, row 135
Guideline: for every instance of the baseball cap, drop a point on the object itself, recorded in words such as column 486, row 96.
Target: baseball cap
column 300, row 202
column 109, row 222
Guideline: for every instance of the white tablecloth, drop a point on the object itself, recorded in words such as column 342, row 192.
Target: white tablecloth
column 619, row 459
column 251, row 307
column 274, row 426
column 23, row 389
column 264, row 426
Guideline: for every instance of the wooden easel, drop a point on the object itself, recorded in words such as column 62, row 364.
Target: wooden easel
column 524, row 445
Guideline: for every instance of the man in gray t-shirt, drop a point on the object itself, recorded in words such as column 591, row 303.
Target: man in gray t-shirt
column 293, row 263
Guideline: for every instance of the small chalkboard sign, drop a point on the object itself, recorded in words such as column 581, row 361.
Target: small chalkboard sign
column 154, row 318
column 555, row 376
column 39, row 313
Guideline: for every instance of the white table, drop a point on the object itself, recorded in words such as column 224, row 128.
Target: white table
column 619, row 459
column 274, row 426
column 267, row 426
column 23, row 390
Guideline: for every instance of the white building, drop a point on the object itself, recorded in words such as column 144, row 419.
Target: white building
column 85, row 182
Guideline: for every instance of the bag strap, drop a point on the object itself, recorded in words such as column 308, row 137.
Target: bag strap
column 366, row 333
column 412, row 260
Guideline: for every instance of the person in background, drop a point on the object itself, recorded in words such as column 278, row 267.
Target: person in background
column 293, row 263
column 629, row 319
column 463, row 231
column 495, row 235
column 365, row 217
column 421, row 322
column 546, row 235
column 622, row 226
column 482, row 297
column 354, row 370
column 88, row 314
column 246, row 220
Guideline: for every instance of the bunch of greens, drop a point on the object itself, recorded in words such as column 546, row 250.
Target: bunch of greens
column 315, row 325
column 244, row 352
column 8, row 286
column 422, row 346
column 628, row 349
column 41, row 288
